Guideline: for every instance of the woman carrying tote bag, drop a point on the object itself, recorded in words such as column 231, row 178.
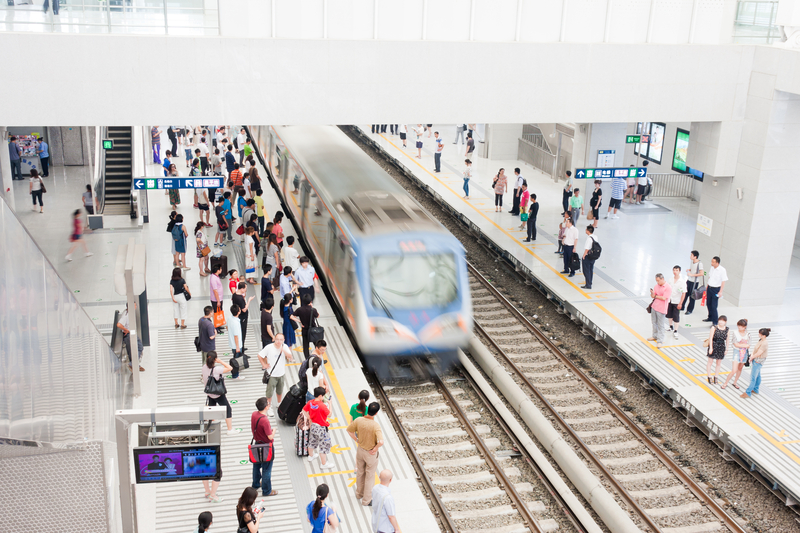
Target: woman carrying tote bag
column 214, row 387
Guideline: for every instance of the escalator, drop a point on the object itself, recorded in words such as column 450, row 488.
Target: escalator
column 118, row 172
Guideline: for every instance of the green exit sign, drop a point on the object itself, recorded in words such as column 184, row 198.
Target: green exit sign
column 108, row 144
column 630, row 139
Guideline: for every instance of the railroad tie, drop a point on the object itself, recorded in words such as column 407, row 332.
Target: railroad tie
column 476, row 477
column 625, row 461
column 615, row 446
column 500, row 510
column 602, row 432
column 538, row 364
column 642, row 476
column 573, row 408
column 674, row 490
column 432, row 394
column 455, row 432
column 432, row 407
column 697, row 528
column 559, row 385
column 505, row 329
column 460, row 446
column 554, row 374
column 568, row 396
column 601, row 418
column 461, row 461
column 687, row 508
column 483, row 494
column 438, row 419
column 544, row 525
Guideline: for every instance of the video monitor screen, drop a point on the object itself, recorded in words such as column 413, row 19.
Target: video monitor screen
column 176, row 463
column 656, row 146
column 681, row 148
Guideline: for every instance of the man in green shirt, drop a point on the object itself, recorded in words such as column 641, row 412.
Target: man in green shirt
column 248, row 148
column 576, row 205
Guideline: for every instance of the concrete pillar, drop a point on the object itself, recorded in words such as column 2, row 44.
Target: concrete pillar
column 502, row 141
column 752, row 216
column 580, row 146
column 5, row 169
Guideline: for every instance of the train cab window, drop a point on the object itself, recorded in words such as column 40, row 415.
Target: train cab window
column 404, row 281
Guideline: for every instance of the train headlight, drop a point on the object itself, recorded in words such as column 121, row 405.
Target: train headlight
column 444, row 325
column 386, row 329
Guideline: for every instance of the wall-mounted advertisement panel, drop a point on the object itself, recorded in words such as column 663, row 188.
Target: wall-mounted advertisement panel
column 681, row 148
column 642, row 128
column 656, row 147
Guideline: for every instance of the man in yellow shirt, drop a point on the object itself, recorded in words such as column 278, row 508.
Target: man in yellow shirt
column 260, row 211
column 369, row 437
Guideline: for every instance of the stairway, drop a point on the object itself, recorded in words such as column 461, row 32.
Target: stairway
column 118, row 172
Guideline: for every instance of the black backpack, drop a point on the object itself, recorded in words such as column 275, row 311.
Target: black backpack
column 594, row 253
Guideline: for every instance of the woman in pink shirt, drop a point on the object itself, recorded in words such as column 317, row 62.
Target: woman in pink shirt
column 500, row 186
column 277, row 229
column 523, row 205
column 215, row 284
column 76, row 237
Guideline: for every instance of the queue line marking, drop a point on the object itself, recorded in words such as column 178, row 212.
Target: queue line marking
column 744, row 418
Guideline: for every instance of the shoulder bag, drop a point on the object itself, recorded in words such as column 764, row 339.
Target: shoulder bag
column 268, row 374
column 698, row 293
column 261, row 452
column 650, row 307
column 44, row 190
column 316, row 332
column 215, row 386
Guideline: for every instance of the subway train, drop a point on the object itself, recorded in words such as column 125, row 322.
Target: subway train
column 397, row 276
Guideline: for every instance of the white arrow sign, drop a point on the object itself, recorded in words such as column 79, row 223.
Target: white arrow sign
column 580, row 173
column 641, row 172
column 189, row 183
column 139, row 184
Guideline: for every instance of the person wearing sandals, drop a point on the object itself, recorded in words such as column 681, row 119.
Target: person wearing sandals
column 202, row 244
column 179, row 290
column 248, row 517
column 741, row 351
column 718, row 342
column 757, row 361
column 262, row 433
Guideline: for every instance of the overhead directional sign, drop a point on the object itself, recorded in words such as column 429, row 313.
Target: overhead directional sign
column 630, row 139
column 601, row 173
column 177, row 183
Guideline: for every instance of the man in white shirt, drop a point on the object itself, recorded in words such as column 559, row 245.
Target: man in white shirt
column 384, row 512
column 202, row 205
column 717, row 277
column 403, row 134
column 241, row 139
column 437, row 157
column 517, row 191
column 289, row 254
column 460, row 129
column 273, row 359
column 567, row 192
column 676, row 299
column 306, row 278
column 126, row 338
column 695, row 275
column 587, row 259
column 235, row 336
column 641, row 185
column 203, row 147
column 569, row 241
column 418, row 131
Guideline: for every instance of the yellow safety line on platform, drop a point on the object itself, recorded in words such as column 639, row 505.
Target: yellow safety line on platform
column 778, row 444
column 557, row 272
column 337, row 390
column 321, row 474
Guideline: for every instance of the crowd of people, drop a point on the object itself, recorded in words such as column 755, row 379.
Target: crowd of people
column 668, row 299
column 285, row 276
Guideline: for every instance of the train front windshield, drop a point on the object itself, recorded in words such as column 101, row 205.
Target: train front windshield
column 413, row 281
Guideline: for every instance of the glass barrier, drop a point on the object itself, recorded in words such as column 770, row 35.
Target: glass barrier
column 155, row 17
column 60, row 382
column 755, row 23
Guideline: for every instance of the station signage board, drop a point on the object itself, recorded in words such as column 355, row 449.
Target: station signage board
column 635, row 139
column 177, row 183
column 606, row 173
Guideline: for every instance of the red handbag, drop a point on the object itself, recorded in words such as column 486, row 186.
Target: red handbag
column 259, row 453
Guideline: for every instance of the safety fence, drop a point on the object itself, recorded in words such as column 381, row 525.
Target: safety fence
column 672, row 185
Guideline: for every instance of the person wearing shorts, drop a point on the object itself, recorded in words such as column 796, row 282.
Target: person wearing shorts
column 202, row 205
column 418, row 131
column 678, row 296
column 318, row 437
column 403, row 133
column 273, row 359
column 630, row 191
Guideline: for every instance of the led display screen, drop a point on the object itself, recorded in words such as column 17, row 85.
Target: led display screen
column 156, row 464
column 681, row 148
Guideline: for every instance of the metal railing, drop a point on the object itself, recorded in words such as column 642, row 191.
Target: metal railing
column 542, row 159
column 672, row 185
column 159, row 17
column 99, row 188
column 534, row 135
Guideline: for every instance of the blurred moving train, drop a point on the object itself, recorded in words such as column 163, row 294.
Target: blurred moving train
column 397, row 276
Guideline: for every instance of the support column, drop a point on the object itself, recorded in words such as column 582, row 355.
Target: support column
column 502, row 141
column 580, row 146
column 5, row 170
column 751, row 217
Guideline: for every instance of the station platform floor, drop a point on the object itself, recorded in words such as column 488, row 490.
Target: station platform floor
column 762, row 432
column 172, row 370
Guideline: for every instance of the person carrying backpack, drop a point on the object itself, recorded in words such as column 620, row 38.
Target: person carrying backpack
column 591, row 253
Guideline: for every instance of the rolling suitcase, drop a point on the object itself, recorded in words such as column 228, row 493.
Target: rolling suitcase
column 300, row 441
column 290, row 408
column 221, row 260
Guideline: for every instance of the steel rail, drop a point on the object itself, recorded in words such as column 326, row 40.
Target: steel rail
column 439, row 507
column 505, row 483
column 623, row 417
column 528, row 459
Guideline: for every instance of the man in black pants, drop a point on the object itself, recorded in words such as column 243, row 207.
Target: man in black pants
column 307, row 315
column 173, row 139
column 567, row 192
column 569, row 241
column 238, row 299
column 518, row 181
column 533, row 212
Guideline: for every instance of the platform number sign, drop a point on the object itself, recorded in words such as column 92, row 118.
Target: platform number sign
column 108, row 144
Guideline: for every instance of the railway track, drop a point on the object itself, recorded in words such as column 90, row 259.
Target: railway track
column 477, row 476
column 643, row 475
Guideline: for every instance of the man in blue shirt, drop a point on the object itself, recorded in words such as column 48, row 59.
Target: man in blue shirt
column 286, row 281
column 228, row 213
column 44, row 157
column 166, row 164
column 230, row 160
column 384, row 511
column 15, row 155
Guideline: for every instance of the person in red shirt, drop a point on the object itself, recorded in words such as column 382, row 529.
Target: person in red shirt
column 76, row 237
column 318, row 437
column 262, row 433
column 236, row 176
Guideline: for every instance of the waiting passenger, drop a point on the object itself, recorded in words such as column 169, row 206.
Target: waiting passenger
column 320, row 515
column 596, row 201
column 249, row 518
column 576, row 205
column 718, row 342
column 357, row 410
column 367, row 434
column 500, row 186
column 741, row 352
column 617, row 194
column 694, row 272
column 319, row 438
column 211, row 370
column 467, row 174
column 569, row 241
column 384, row 512
column 676, row 300
column 660, row 293
column 757, row 361
column 267, row 327
column 204, row 522
column 418, row 131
